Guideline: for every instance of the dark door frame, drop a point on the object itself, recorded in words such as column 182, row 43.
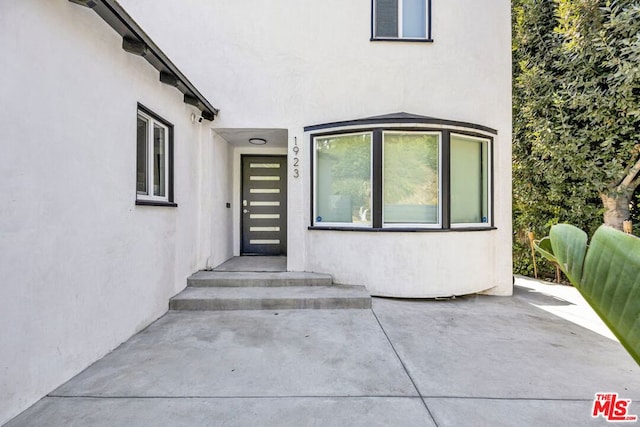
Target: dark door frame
column 269, row 249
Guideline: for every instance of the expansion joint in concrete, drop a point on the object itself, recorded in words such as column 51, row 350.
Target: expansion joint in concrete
column 415, row 386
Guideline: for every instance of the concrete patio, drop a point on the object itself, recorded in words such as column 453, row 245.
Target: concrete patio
column 471, row 361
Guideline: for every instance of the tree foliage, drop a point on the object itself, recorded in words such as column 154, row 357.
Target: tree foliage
column 576, row 100
column 410, row 169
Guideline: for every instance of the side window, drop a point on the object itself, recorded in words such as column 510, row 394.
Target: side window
column 470, row 184
column 401, row 19
column 154, row 149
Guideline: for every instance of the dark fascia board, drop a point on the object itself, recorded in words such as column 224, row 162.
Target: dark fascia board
column 400, row 118
column 115, row 15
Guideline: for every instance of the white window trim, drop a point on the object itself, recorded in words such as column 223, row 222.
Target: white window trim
column 315, row 184
column 151, row 122
column 489, row 188
column 436, row 225
column 401, row 20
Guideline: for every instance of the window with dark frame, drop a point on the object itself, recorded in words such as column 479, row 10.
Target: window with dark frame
column 154, row 159
column 469, row 170
column 411, row 176
column 401, row 179
column 344, row 179
column 408, row 20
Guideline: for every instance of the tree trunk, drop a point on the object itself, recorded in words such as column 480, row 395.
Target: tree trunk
column 616, row 209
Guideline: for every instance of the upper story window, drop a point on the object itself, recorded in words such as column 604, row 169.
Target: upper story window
column 392, row 178
column 408, row 20
column 154, row 159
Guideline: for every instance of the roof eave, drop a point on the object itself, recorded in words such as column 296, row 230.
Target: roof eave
column 136, row 41
column 400, row 118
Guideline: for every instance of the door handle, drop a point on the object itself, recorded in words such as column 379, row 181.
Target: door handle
column 245, row 211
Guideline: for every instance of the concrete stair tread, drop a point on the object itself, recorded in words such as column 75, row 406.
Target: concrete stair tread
column 256, row 279
column 275, row 292
column 255, row 298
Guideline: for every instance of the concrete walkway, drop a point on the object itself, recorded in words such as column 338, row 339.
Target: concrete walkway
column 472, row 361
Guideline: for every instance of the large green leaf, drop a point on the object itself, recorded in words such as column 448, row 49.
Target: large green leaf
column 569, row 245
column 608, row 276
column 544, row 248
column 565, row 246
column 611, row 284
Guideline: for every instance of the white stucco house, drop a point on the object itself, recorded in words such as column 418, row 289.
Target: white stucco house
column 145, row 140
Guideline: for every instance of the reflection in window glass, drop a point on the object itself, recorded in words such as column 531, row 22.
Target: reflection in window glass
column 343, row 179
column 141, row 158
column 159, row 160
column 469, row 180
column 413, row 18
column 411, row 178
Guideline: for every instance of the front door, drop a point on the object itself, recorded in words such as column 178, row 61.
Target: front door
column 264, row 205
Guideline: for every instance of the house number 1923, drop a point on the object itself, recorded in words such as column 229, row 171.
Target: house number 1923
column 296, row 159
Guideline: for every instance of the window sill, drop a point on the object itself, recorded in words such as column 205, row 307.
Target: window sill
column 401, row 229
column 399, row 39
column 141, row 202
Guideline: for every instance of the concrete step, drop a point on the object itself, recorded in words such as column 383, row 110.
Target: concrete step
column 257, row 279
column 271, row 298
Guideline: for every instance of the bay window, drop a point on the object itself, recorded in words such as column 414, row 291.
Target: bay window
column 401, row 179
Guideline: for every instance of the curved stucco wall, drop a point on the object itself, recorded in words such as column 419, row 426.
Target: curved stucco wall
column 418, row 263
column 413, row 264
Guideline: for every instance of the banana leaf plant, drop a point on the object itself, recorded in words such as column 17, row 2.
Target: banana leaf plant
column 606, row 272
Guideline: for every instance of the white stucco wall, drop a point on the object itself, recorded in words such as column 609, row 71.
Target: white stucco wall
column 292, row 63
column 406, row 264
column 82, row 267
column 220, row 223
column 298, row 63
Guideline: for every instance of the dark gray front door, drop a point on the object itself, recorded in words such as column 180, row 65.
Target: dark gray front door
column 264, row 205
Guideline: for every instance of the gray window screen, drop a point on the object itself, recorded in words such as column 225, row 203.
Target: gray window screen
column 386, row 18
